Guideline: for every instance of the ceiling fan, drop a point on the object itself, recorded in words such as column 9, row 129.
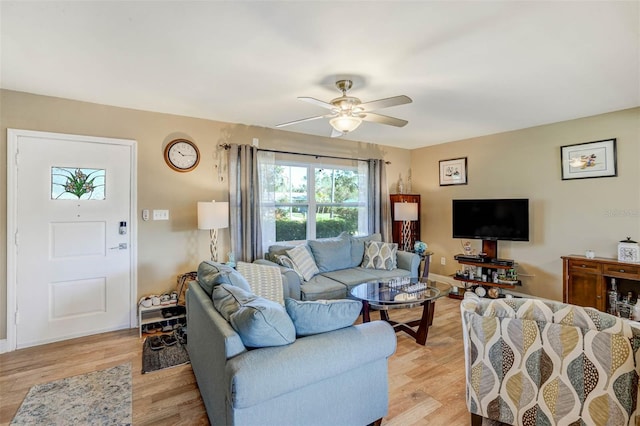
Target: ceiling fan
column 348, row 112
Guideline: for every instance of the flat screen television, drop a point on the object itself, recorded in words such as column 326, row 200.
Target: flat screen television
column 491, row 219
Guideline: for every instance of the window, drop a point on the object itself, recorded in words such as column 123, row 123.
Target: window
column 302, row 201
column 77, row 183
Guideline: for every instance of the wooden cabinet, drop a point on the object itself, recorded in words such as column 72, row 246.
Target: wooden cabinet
column 586, row 281
column 396, row 226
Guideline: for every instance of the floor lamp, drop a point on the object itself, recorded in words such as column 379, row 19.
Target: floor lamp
column 213, row 216
column 406, row 213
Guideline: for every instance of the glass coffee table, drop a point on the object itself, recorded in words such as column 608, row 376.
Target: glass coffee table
column 402, row 293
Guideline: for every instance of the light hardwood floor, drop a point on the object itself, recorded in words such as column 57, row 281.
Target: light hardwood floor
column 427, row 383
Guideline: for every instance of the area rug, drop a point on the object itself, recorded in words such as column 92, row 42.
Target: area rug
column 168, row 356
column 100, row 397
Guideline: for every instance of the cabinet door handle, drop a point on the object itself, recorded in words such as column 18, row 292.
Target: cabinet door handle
column 598, row 297
column 583, row 265
column 621, row 270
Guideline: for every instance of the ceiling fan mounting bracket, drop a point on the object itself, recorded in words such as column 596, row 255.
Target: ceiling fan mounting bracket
column 344, row 85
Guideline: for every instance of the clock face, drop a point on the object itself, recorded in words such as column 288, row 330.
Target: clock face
column 628, row 254
column 182, row 155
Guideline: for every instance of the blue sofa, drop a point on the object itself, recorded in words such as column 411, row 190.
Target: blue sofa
column 333, row 378
column 339, row 261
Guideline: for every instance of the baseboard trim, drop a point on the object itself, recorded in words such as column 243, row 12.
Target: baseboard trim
column 4, row 346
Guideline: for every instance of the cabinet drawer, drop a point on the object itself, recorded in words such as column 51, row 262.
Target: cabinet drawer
column 622, row 271
column 584, row 265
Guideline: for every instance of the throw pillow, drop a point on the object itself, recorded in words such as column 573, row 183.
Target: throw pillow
column 331, row 255
column 378, row 255
column 259, row 322
column 357, row 247
column 303, row 261
column 211, row 274
column 265, row 281
column 286, row 261
column 320, row 316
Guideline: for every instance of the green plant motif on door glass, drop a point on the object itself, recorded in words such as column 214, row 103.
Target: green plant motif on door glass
column 76, row 183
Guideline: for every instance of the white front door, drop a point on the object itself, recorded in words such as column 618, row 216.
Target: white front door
column 73, row 242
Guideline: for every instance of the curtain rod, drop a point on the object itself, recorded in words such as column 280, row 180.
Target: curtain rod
column 227, row 146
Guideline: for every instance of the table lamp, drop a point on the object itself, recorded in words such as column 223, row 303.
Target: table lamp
column 213, row 216
column 406, row 213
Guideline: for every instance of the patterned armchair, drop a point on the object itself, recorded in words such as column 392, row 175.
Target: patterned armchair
column 533, row 362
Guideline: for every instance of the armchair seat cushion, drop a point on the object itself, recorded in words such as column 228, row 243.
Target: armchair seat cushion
column 315, row 317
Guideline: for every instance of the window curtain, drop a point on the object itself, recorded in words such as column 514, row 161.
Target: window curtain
column 244, row 223
column 379, row 209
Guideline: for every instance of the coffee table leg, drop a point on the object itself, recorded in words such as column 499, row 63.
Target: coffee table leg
column 423, row 328
column 365, row 311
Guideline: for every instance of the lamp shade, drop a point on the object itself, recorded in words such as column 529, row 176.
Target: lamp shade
column 405, row 211
column 212, row 215
column 345, row 123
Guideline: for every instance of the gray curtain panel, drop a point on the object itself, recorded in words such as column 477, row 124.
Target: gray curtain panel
column 244, row 205
column 380, row 210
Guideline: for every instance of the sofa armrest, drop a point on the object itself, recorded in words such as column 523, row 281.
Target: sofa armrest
column 408, row 261
column 290, row 279
column 266, row 373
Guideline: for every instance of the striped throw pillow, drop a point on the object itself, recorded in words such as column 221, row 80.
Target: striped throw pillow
column 265, row 281
column 304, row 263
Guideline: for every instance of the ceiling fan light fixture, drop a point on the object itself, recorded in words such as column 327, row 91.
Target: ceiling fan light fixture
column 345, row 123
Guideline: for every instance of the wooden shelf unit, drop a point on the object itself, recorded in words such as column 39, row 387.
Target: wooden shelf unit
column 586, row 281
column 489, row 249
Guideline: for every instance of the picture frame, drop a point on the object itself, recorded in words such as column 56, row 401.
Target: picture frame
column 589, row 160
column 453, row 171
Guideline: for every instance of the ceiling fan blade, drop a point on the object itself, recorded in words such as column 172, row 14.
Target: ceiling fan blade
column 315, row 101
column 384, row 119
column 303, row 120
column 336, row 133
column 385, row 103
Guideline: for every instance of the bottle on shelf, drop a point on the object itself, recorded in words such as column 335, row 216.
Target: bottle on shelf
column 613, row 298
column 636, row 311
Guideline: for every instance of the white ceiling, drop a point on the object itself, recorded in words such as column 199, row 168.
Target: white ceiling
column 472, row 68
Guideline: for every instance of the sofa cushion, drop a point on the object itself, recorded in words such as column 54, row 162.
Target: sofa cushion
column 265, row 281
column 321, row 287
column 352, row 276
column 378, row 255
column 258, row 321
column 315, row 317
column 331, row 254
column 303, row 262
column 357, row 247
column 211, row 274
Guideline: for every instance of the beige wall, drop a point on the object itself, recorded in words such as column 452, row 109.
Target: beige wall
column 567, row 217
column 165, row 248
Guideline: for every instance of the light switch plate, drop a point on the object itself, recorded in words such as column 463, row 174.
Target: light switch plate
column 161, row 215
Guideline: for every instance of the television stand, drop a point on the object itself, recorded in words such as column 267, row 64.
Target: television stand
column 486, row 267
column 489, row 249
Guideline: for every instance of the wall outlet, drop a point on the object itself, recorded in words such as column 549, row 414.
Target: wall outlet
column 161, row 215
column 443, row 260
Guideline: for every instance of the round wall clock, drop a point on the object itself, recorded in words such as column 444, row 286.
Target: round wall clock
column 182, row 155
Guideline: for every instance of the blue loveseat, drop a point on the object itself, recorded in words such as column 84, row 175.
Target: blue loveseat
column 339, row 262
column 332, row 378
